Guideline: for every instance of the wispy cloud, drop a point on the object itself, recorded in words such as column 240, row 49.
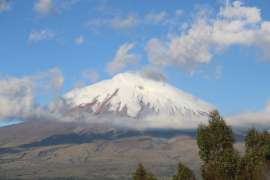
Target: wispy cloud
column 40, row 35
column 46, row 7
column 179, row 12
column 5, row 5
column 80, row 40
column 118, row 21
column 115, row 22
column 153, row 73
column 124, row 23
column 235, row 24
column 91, row 75
column 122, row 58
column 156, row 17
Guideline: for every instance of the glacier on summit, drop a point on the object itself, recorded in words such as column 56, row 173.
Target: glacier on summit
column 143, row 102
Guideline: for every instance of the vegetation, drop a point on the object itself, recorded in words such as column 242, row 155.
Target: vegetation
column 215, row 142
column 255, row 163
column 220, row 160
column 142, row 174
column 183, row 172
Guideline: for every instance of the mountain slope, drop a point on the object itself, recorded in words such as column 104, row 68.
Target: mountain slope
column 153, row 104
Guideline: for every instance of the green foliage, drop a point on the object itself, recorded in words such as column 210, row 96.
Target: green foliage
column 251, row 167
column 215, row 142
column 254, row 164
column 222, row 162
column 214, row 138
column 222, row 167
column 183, row 172
column 142, row 174
column 259, row 143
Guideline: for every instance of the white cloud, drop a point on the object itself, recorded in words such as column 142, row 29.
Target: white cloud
column 187, row 50
column 4, row 5
column 80, row 40
column 122, row 58
column 237, row 11
column 260, row 119
column 40, row 35
column 235, row 24
column 44, row 7
column 156, row 17
column 17, row 95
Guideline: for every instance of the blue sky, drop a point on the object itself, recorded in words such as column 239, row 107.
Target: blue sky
column 81, row 39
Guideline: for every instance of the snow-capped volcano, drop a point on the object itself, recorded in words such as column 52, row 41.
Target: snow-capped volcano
column 153, row 103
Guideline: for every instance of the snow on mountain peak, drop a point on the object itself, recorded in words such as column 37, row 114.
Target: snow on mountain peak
column 138, row 97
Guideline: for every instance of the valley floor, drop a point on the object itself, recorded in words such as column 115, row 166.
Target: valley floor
column 113, row 159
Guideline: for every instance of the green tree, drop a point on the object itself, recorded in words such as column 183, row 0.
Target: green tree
column 183, row 172
column 254, row 164
column 222, row 167
column 215, row 142
column 214, row 138
column 142, row 174
column 258, row 142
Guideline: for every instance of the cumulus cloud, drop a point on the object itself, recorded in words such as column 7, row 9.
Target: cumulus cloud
column 41, row 35
column 79, row 40
column 4, row 5
column 122, row 58
column 260, row 120
column 18, row 95
column 235, row 24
